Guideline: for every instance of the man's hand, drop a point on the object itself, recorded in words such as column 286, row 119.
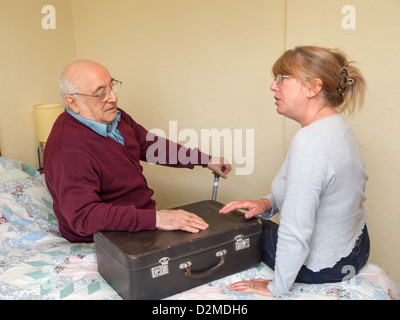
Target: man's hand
column 179, row 220
column 216, row 165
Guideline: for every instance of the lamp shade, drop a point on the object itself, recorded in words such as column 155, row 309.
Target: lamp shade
column 45, row 116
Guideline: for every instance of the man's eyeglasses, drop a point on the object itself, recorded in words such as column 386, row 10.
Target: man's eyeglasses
column 105, row 94
column 279, row 78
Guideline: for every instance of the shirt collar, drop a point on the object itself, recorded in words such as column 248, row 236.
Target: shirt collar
column 100, row 128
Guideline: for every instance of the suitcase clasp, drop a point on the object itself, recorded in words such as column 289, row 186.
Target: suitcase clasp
column 241, row 243
column 162, row 269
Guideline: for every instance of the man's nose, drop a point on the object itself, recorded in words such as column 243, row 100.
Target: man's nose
column 113, row 96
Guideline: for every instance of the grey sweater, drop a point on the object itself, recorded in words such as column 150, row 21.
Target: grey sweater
column 319, row 192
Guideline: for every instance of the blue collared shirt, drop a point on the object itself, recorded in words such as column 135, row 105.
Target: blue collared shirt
column 101, row 128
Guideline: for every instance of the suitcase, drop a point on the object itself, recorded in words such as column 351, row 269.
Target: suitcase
column 156, row 264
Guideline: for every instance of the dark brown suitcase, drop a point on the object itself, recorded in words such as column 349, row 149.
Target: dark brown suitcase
column 157, row 264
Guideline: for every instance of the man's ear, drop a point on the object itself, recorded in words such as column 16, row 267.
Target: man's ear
column 70, row 101
column 314, row 88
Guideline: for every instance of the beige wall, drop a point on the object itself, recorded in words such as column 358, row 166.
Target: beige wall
column 205, row 65
column 30, row 60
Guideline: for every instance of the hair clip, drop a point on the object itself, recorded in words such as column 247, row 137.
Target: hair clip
column 344, row 81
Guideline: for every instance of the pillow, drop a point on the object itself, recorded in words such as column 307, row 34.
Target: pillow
column 26, row 208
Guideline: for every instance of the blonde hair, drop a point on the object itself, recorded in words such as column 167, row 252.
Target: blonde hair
column 343, row 86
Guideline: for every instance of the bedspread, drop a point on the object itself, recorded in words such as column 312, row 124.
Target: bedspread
column 37, row 263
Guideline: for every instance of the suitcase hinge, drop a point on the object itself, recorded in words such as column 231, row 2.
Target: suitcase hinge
column 162, row 269
column 242, row 243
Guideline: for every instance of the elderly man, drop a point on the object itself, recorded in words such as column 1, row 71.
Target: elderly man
column 92, row 162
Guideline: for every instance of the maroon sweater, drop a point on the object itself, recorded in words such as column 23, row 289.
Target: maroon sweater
column 96, row 183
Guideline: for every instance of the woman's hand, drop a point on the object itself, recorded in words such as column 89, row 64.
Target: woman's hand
column 259, row 286
column 254, row 207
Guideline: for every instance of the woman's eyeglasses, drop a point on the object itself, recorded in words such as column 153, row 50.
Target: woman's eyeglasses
column 279, row 78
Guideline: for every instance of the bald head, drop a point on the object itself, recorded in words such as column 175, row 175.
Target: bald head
column 81, row 84
column 78, row 74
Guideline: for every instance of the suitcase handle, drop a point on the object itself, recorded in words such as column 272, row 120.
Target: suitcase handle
column 201, row 274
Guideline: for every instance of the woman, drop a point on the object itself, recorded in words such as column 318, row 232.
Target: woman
column 319, row 190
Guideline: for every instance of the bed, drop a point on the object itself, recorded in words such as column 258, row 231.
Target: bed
column 36, row 263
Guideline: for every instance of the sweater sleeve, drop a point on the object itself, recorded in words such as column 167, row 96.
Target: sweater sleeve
column 306, row 176
column 159, row 150
column 75, row 184
column 269, row 214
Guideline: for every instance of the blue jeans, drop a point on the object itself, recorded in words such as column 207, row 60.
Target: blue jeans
column 343, row 270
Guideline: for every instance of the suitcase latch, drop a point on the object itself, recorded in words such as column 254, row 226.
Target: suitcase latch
column 161, row 270
column 242, row 243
